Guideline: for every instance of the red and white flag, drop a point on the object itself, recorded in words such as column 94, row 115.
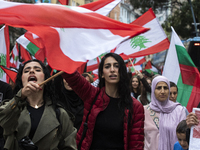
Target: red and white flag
column 14, row 59
column 34, row 45
column 137, row 62
column 150, row 42
column 4, row 51
column 72, row 35
column 102, row 7
column 153, row 41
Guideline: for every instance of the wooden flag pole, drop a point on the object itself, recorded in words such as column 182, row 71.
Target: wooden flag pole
column 132, row 64
column 49, row 79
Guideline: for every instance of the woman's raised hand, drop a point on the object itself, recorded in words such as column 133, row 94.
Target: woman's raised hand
column 30, row 88
column 139, row 74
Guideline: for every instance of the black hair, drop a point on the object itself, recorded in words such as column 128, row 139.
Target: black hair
column 48, row 87
column 172, row 84
column 123, row 89
column 143, row 96
column 182, row 127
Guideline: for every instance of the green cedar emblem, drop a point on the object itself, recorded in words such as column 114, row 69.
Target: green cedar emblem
column 139, row 41
column 3, row 63
column 100, row 56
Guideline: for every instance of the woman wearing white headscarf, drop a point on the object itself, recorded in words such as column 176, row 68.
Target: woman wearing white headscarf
column 161, row 117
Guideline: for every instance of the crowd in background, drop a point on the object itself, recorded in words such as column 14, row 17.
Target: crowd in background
column 120, row 111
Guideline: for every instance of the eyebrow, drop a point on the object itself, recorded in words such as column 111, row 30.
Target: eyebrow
column 161, row 86
column 110, row 63
column 35, row 67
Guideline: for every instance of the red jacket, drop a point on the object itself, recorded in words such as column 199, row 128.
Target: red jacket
column 133, row 138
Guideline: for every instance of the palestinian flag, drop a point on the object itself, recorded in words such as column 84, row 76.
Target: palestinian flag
column 35, row 48
column 11, row 72
column 180, row 69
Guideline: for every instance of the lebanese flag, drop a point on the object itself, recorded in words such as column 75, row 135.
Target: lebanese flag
column 137, row 62
column 12, row 73
column 94, row 63
column 102, row 7
column 18, row 56
column 34, row 45
column 4, row 51
column 153, row 41
column 14, row 60
column 71, row 35
column 180, row 69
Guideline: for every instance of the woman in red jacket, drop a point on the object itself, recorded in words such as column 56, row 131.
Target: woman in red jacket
column 115, row 120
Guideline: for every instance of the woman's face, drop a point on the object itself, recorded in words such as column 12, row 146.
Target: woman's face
column 66, row 85
column 173, row 94
column 32, row 72
column 135, row 83
column 161, row 91
column 111, row 71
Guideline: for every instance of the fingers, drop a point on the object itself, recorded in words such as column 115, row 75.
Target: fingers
column 192, row 120
column 30, row 88
column 139, row 74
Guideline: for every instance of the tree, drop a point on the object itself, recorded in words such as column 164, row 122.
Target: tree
column 144, row 5
column 182, row 20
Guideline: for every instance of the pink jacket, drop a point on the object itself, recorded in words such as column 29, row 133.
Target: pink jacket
column 133, row 138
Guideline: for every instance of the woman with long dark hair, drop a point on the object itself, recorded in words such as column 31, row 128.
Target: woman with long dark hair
column 34, row 115
column 135, row 86
column 114, row 120
column 145, row 97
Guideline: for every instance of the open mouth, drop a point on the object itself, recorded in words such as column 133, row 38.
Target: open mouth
column 32, row 78
column 113, row 76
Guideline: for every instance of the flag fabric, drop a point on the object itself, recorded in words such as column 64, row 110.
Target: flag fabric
column 64, row 2
column 18, row 56
column 102, row 7
column 72, row 35
column 153, row 41
column 137, row 62
column 12, row 73
column 25, row 56
column 33, row 44
column 180, row 69
column 14, row 60
column 4, row 51
column 150, row 68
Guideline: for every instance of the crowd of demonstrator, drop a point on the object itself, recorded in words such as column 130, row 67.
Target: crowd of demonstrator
column 68, row 112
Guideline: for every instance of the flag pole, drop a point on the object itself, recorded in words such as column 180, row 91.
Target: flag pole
column 132, row 64
column 52, row 77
